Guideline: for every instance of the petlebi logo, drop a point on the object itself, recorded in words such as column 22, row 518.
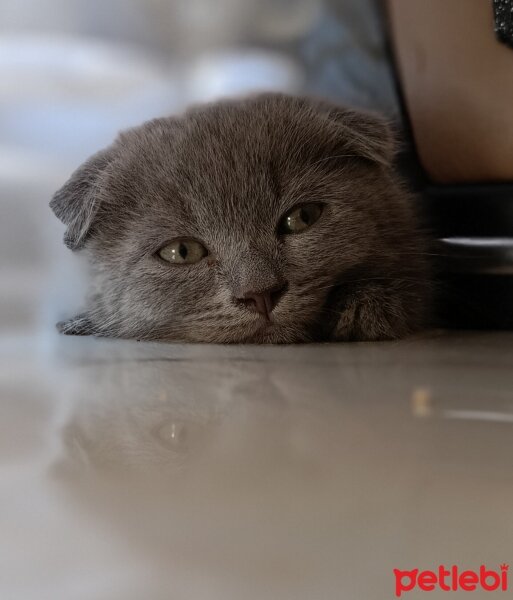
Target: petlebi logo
column 452, row 579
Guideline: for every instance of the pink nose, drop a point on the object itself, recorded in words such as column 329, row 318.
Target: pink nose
column 263, row 301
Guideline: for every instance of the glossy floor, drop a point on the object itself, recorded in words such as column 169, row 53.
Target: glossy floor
column 160, row 471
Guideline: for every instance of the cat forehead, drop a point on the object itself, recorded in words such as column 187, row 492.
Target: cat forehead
column 180, row 165
column 233, row 133
column 232, row 164
column 227, row 157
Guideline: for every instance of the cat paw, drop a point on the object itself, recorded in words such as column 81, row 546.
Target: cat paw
column 371, row 318
column 78, row 325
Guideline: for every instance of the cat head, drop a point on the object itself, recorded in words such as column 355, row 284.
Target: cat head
column 234, row 222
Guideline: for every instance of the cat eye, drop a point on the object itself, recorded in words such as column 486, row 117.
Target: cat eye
column 183, row 252
column 300, row 218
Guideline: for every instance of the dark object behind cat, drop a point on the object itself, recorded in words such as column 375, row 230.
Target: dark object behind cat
column 271, row 219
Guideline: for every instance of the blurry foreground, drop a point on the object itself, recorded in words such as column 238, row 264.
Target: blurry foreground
column 134, row 470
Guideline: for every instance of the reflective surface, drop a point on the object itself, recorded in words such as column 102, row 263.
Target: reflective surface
column 134, row 470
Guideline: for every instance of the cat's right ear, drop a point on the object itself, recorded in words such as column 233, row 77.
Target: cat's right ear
column 77, row 203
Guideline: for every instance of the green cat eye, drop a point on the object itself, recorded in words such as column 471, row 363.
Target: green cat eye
column 300, row 218
column 183, row 252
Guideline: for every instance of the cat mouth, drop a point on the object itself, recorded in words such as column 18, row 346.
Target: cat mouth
column 278, row 329
column 265, row 323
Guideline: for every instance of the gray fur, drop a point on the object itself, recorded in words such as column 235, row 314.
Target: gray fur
column 225, row 174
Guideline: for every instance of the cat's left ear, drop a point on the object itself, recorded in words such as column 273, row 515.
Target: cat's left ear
column 77, row 203
column 366, row 134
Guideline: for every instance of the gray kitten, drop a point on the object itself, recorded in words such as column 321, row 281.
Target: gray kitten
column 271, row 219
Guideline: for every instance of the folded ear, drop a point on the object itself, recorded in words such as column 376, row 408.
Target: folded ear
column 366, row 134
column 77, row 203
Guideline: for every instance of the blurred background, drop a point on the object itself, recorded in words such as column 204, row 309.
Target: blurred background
column 75, row 72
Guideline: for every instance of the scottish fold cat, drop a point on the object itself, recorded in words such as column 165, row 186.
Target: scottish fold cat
column 269, row 219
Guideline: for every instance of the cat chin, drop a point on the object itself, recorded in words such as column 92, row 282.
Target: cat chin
column 277, row 335
column 268, row 334
column 272, row 333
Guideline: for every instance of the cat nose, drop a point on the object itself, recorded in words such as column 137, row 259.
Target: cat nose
column 263, row 301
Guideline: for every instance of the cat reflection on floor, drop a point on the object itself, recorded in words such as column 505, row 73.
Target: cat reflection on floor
column 270, row 219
